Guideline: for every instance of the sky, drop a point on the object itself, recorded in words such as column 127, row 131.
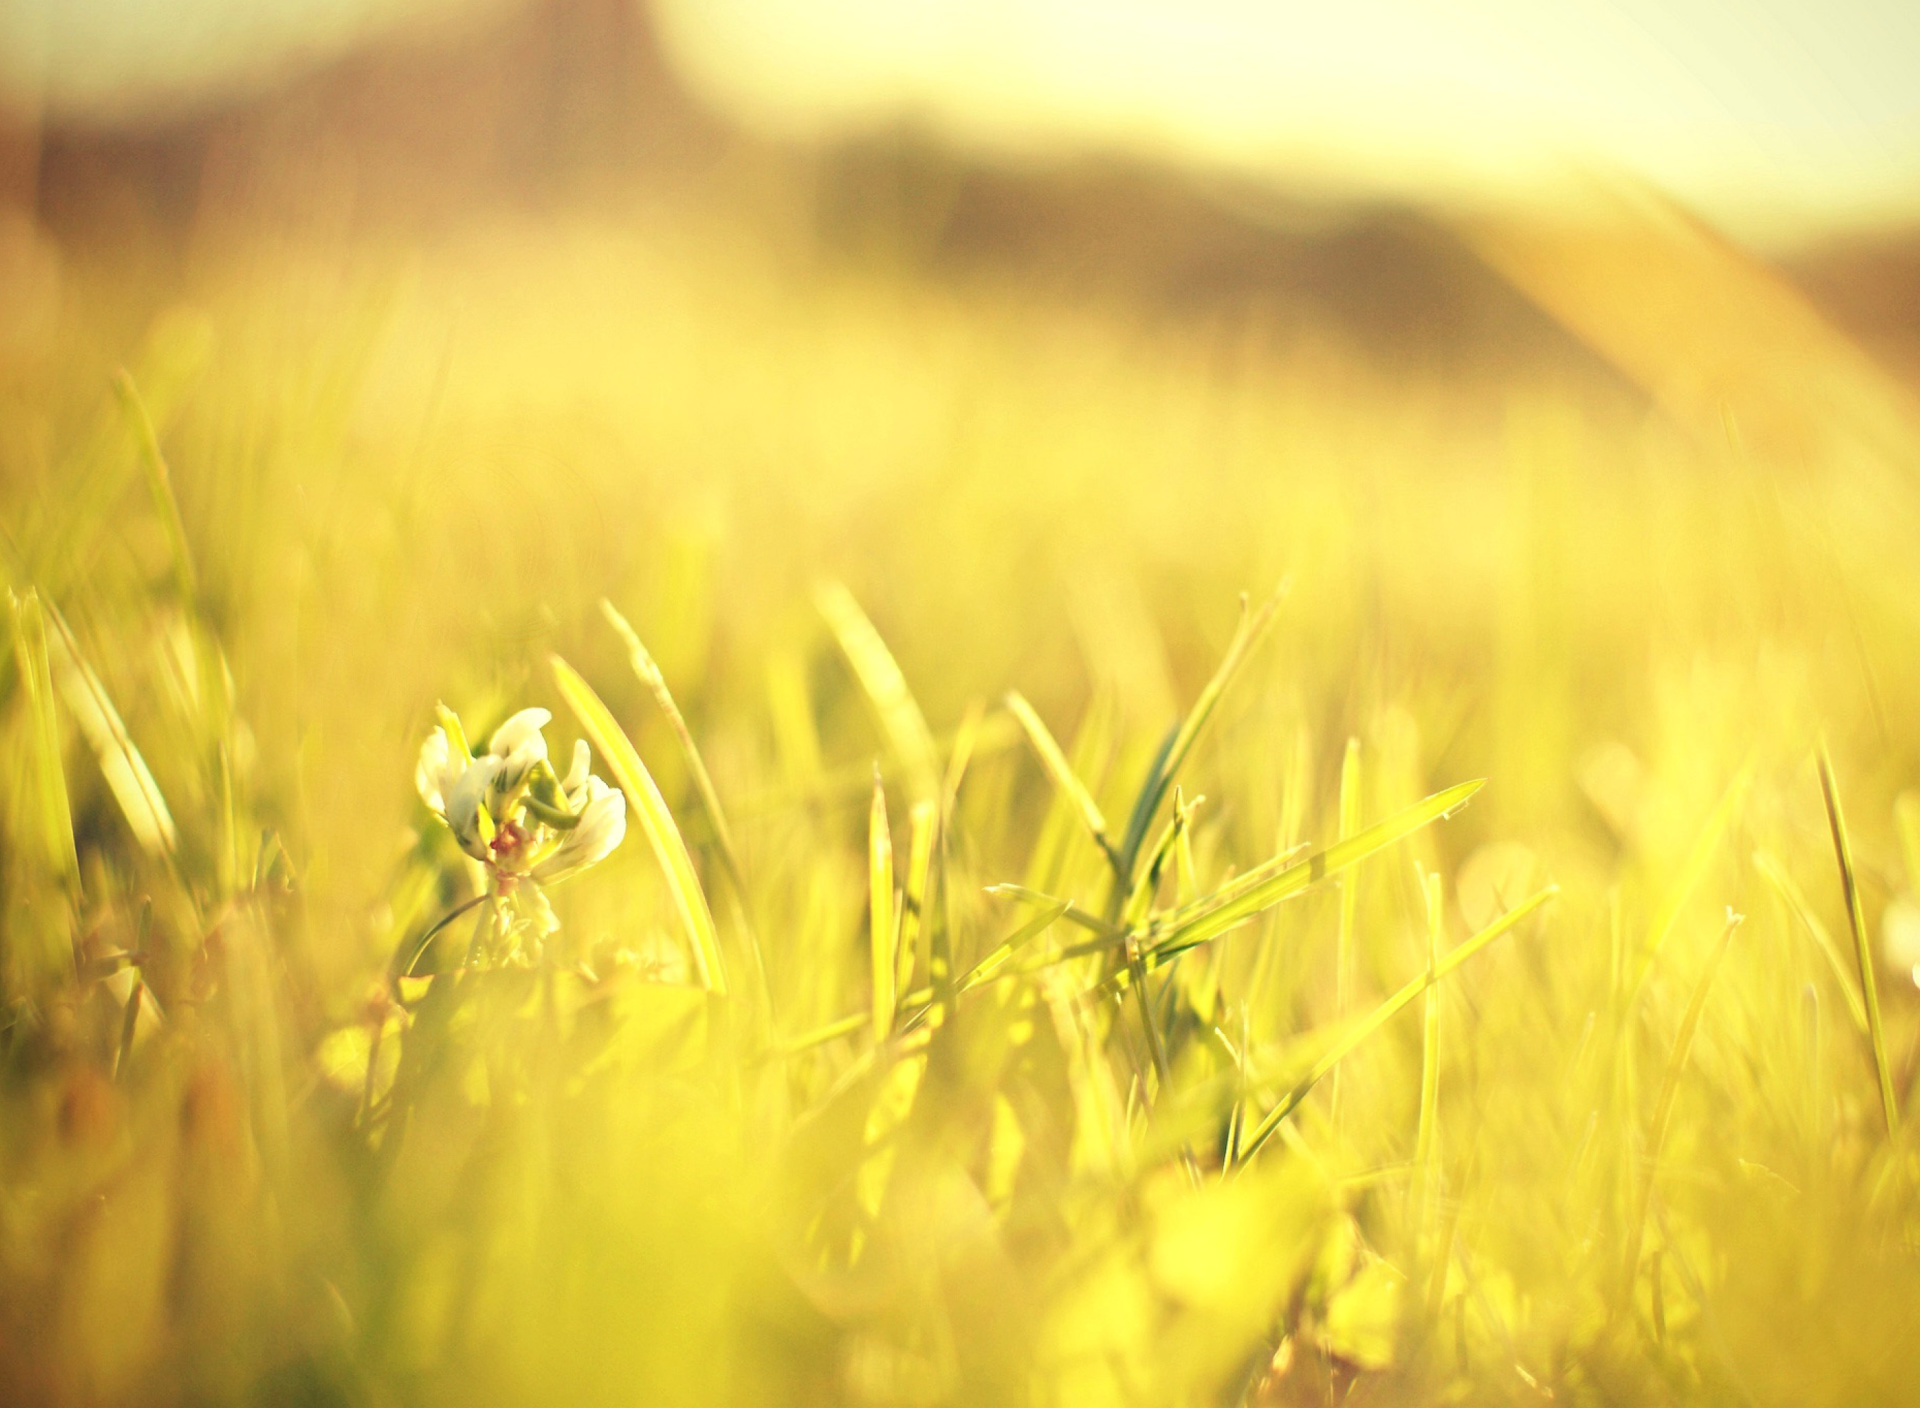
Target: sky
column 1779, row 120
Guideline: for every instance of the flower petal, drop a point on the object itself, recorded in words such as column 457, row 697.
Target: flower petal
column 464, row 801
column 520, row 730
column 433, row 774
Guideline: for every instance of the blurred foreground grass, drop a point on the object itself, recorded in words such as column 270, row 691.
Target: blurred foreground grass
column 238, row 1164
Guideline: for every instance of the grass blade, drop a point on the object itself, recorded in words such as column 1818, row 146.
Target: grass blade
column 1862, row 949
column 915, row 921
column 126, row 771
column 159, row 481
column 1061, row 772
column 649, row 672
column 886, row 688
column 1357, row 1034
column 1777, row 876
column 604, row 731
column 56, row 815
column 1349, row 896
column 1663, row 1105
column 880, row 910
column 1174, row 754
column 1695, row 866
column 1210, row 917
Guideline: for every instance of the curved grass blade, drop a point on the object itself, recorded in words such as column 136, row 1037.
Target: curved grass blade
column 1862, row 949
column 1259, row 890
column 1357, row 1034
column 649, row 672
column 886, row 688
column 656, row 820
column 1061, row 772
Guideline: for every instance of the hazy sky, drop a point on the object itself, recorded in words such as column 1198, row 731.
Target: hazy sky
column 1774, row 117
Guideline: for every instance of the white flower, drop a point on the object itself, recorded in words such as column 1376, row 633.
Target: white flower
column 602, row 825
column 508, row 810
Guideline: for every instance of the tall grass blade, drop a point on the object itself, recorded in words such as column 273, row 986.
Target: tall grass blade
column 1699, row 857
column 1663, row 1104
column 886, row 689
column 669, row 848
column 1357, row 1034
column 1862, row 948
column 1061, row 772
column 126, row 771
column 649, row 674
column 880, row 910
column 1349, row 899
column 29, row 629
column 916, row 921
column 1174, row 754
column 159, row 482
column 1846, row 979
column 1430, row 1037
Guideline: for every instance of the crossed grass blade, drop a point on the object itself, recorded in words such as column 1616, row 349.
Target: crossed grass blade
column 1359, row 1032
column 1261, row 889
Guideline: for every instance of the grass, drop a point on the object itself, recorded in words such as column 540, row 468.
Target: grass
column 918, row 1047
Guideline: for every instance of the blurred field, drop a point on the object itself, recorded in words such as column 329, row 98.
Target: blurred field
column 1632, row 588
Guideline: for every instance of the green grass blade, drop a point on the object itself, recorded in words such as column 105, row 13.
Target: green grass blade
column 1073, row 914
column 606, row 735
column 880, row 910
column 36, row 676
column 159, row 482
column 1173, row 757
column 1349, row 822
column 1777, row 876
column 1663, row 1104
column 1210, row 917
column 1862, row 948
column 649, row 674
column 1357, row 1034
column 126, row 771
column 990, row 965
column 1691, row 872
column 1061, row 772
column 886, row 689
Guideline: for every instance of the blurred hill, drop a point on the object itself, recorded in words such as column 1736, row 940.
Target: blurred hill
column 573, row 102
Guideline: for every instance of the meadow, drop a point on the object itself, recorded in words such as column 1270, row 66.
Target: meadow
column 1166, row 863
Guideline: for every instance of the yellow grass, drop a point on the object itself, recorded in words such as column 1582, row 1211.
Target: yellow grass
column 1062, row 1141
